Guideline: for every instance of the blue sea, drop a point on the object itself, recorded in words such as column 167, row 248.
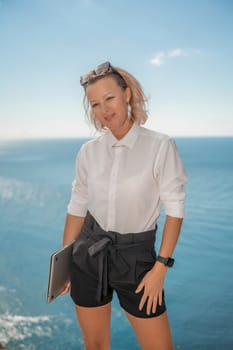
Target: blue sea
column 35, row 184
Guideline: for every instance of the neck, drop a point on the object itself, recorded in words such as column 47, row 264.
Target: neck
column 120, row 133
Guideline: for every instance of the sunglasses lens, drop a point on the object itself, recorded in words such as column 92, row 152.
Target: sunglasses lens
column 103, row 68
column 100, row 70
column 85, row 78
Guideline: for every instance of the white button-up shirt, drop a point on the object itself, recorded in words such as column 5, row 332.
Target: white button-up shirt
column 123, row 183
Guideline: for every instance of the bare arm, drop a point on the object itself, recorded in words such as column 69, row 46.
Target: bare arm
column 73, row 226
column 154, row 279
column 170, row 236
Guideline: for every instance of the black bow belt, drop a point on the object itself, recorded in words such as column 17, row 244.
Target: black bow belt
column 115, row 253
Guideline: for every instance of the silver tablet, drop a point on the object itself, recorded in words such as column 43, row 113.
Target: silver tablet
column 59, row 271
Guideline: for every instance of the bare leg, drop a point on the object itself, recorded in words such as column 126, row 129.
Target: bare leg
column 152, row 333
column 95, row 326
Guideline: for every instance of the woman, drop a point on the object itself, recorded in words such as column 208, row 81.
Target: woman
column 122, row 178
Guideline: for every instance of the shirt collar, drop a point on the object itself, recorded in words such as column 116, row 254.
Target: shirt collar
column 128, row 140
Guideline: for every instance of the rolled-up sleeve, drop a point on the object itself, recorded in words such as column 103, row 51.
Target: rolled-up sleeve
column 78, row 201
column 172, row 179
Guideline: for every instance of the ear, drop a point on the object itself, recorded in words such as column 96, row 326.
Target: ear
column 128, row 94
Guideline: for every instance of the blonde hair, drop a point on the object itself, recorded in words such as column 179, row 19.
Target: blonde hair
column 137, row 102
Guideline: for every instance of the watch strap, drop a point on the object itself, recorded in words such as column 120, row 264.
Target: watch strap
column 169, row 262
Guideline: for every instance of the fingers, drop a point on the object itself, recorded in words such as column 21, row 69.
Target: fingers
column 142, row 301
column 161, row 297
column 154, row 307
column 140, row 286
column 144, row 297
column 152, row 302
column 66, row 289
column 152, row 294
column 151, row 305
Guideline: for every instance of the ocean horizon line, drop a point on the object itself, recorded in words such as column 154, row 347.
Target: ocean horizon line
column 51, row 138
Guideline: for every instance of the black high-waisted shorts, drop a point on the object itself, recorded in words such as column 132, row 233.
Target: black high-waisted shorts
column 104, row 261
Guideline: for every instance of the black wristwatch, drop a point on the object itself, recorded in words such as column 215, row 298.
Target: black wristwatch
column 169, row 262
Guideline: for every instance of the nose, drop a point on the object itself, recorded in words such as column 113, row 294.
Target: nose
column 104, row 107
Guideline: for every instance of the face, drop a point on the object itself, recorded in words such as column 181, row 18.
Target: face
column 109, row 104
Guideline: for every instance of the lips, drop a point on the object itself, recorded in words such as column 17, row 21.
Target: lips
column 109, row 117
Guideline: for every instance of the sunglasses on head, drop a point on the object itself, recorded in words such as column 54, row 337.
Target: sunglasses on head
column 100, row 71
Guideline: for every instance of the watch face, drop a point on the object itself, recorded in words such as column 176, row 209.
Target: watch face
column 170, row 262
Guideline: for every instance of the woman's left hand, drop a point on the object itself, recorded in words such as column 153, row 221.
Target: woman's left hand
column 152, row 283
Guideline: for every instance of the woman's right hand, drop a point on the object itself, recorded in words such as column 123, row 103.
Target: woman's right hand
column 67, row 288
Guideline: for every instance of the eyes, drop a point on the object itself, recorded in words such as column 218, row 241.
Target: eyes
column 109, row 98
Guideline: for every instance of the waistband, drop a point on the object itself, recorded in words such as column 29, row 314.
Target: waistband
column 92, row 226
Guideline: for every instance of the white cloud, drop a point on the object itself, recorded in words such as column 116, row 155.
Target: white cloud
column 162, row 56
column 177, row 53
column 158, row 59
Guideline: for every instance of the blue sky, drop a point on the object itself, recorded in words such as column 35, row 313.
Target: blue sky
column 180, row 50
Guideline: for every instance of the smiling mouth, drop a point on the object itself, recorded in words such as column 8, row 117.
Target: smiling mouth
column 108, row 118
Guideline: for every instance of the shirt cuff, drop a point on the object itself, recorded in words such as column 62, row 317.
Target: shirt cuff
column 174, row 205
column 175, row 211
column 76, row 211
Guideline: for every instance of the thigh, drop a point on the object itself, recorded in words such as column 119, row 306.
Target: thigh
column 95, row 326
column 152, row 333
